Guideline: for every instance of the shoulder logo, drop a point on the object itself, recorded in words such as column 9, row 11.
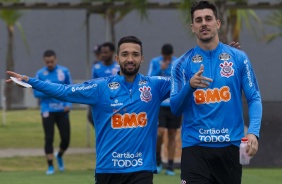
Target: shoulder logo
column 226, row 69
column 224, row 57
column 114, row 85
column 146, row 94
column 197, row 58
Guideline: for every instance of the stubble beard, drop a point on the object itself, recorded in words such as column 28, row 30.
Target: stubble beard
column 206, row 40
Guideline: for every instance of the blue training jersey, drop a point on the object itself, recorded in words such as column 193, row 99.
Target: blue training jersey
column 101, row 70
column 125, row 117
column 155, row 70
column 60, row 75
column 213, row 116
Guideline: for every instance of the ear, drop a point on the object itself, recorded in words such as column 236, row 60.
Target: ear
column 218, row 23
column 117, row 58
column 142, row 59
column 192, row 28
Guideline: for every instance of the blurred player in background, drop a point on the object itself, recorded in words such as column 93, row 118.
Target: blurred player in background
column 161, row 66
column 54, row 111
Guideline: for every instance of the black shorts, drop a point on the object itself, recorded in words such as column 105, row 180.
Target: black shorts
column 167, row 119
column 205, row 165
column 142, row 177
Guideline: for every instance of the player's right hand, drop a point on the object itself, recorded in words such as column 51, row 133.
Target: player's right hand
column 198, row 80
column 16, row 75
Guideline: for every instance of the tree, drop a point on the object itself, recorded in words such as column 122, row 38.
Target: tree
column 231, row 19
column 274, row 19
column 11, row 17
column 113, row 15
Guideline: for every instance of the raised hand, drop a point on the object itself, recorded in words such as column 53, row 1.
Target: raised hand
column 198, row 80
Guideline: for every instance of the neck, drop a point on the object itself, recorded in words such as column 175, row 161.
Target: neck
column 209, row 45
column 128, row 78
column 107, row 63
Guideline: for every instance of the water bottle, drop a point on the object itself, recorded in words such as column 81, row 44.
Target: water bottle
column 244, row 157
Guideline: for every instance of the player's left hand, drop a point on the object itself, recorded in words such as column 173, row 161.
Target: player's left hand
column 252, row 144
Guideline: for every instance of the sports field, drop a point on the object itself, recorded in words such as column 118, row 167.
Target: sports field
column 24, row 130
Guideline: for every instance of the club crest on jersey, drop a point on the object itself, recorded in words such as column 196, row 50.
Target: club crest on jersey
column 226, row 69
column 146, row 94
column 114, row 85
column 224, row 57
column 45, row 73
column 197, row 58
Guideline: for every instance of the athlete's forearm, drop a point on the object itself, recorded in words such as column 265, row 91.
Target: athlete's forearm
column 61, row 92
column 178, row 100
column 255, row 115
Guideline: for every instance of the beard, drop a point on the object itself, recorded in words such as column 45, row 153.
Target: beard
column 129, row 73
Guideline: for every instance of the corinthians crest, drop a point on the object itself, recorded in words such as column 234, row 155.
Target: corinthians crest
column 146, row 94
column 226, row 69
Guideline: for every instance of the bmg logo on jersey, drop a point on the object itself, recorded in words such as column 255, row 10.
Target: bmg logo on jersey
column 212, row 95
column 129, row 120
column 127, row 159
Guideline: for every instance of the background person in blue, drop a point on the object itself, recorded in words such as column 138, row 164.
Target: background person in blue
column 125, row 112
column 105, row 67
column 161, row 66
column 207, row 86
column 54, row 111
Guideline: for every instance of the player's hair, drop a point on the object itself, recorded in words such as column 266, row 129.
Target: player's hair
column 167, row 49
column 49, row 53
column 199, row 5
column 130, row 39
column 97, row 49
column 110, row 45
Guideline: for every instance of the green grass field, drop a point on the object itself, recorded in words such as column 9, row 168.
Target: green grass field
column 24, row 130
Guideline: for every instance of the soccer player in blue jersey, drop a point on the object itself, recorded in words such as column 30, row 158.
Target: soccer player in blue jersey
column 207, row 86
column 125, row 112
column 54, row 111
column 161, row 66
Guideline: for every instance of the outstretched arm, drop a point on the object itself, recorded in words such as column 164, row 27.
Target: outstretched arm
column 85, row 93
